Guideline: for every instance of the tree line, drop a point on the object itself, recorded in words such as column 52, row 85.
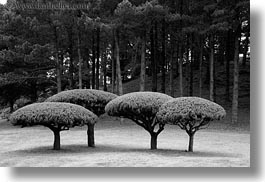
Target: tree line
column 113, row 41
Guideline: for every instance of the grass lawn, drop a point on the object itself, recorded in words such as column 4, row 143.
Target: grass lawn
column 125, row 144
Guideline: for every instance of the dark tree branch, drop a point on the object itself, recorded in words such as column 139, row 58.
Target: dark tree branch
column 51, row 127
column 140, row 123
column 205, row 123
column 161, row 128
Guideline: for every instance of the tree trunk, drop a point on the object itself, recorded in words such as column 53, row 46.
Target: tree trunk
column 235, row 82
column 228, row 59
column 227, row 86
column 163, row 81
column 90, row 135
column 71, row 71
column 212, row 68
column 191, row 75
column 171, row 76
column 156, row 63
column 113, row 65
column 244, row 62
column 201, row 67
column 71, row 62
column 93, row 60
column 98, row 56
column 172, row 68
column 214, row 78
column 56, row 144
column 175, row 64
column 58, row 68
column 191, row 67
column 11, row 106
column 142, row 76
column 191, row 139
column 87, row 66
column 180, row 71
column 33, row 91
column 105, row 72
column 80, row 62
column 118, row 68
column 153, row 61
column 187, row 70
column 59, row 73
column 181, row 53
column 153, row 141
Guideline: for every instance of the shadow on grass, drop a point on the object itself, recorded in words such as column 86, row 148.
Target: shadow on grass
column 79, row 149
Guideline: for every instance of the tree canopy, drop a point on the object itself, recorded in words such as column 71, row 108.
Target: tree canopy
column 111, row 42
column 141, row 108
column 56, row 116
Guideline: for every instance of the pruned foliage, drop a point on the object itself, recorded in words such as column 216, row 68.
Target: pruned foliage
column 141, row 107
column 52, row 114
column 190, row 114
column 139, row 104
column 94, row 100
column 190, row 108
column 57, row 117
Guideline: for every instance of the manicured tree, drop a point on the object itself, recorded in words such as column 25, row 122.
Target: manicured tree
column 56, row 116
column 190, row 114
column 140, row 107
column 93, row 100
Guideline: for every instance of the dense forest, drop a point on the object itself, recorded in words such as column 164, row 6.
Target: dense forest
column 46, row 48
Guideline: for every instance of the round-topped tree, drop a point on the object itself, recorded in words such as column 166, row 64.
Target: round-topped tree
column 190, row 114
column 56, row 116
column 140, row 107
column 93, row 100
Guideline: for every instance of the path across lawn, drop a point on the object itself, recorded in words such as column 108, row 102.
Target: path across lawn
column 125, row 144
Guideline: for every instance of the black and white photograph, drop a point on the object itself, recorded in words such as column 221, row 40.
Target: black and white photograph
column 125, row 83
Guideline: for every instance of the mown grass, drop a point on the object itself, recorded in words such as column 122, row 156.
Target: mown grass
column 125, row 144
